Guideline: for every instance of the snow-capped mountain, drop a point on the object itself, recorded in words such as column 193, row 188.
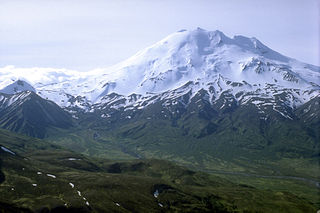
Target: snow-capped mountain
column 202, row 56
column 185, row 62
column 193, row 96
column 16, row 87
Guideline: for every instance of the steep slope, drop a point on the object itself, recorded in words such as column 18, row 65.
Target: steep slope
column 27, row 113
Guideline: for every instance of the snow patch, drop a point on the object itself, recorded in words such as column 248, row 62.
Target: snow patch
column 72, row 159
column 7, row 150
column 50, row 175
column 156, row 194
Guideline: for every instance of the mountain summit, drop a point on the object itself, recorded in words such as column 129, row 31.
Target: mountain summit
column 201, row 56
column 17, row 86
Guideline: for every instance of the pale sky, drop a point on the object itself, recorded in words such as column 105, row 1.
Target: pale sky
column 86, row 34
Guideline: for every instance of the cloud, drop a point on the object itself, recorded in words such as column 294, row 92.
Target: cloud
column 35, row 74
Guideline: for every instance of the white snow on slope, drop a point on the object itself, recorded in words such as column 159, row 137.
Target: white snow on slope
column 200, row 56
column 16, row 87
column 20, row 98
column 7, row 150
column 52, row 176
column 206, row 58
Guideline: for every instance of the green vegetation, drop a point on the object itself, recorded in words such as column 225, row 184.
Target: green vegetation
column 203, row 138
column 211, row 158
column 127, row 186
column 31, row 115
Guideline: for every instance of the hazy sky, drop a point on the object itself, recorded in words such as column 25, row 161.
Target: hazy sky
column 86, row 34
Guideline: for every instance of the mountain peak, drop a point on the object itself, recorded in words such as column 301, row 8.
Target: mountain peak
column 17, row 86
column 255, row 46
column 201, row 36
column 195, row 55
column 211, row 39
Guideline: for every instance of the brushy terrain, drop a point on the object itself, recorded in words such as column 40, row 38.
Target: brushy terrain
column 42, row 177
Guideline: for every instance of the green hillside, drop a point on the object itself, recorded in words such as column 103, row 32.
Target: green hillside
column 43, row 177
column 202, row 137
